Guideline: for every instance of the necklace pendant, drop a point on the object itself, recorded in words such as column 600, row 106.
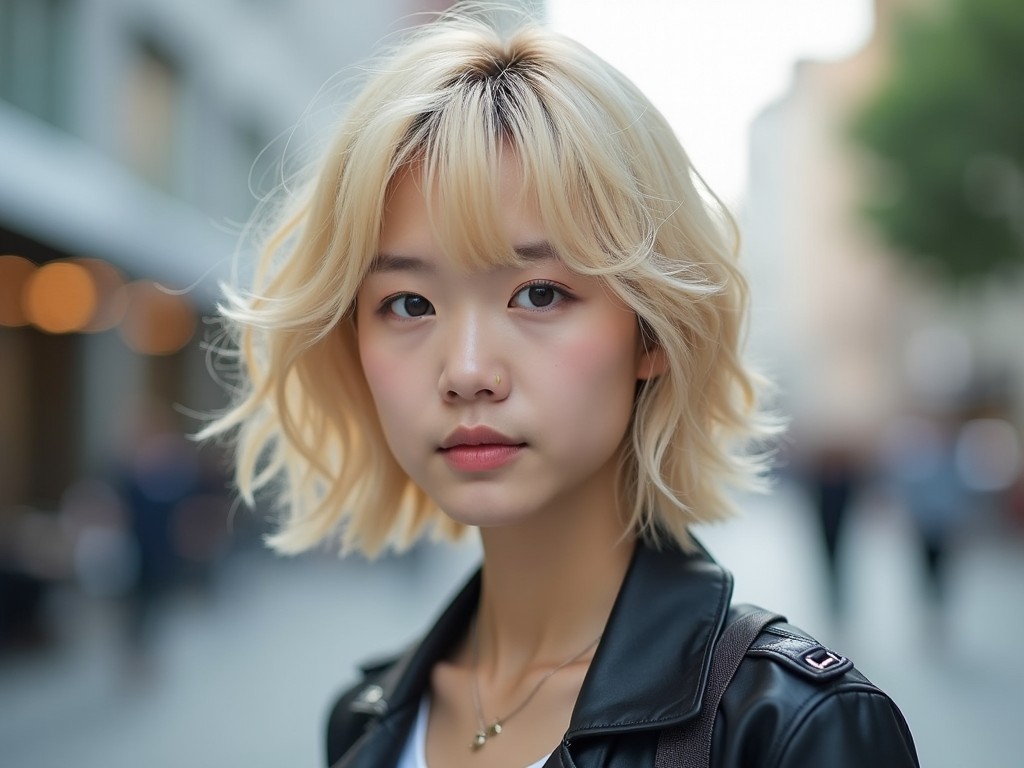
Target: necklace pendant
column 481, row 737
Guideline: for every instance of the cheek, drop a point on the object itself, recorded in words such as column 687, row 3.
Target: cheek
column 597, row 371
column 397, row 405
column 387, row 379
column 603, row 352
column 377, row 368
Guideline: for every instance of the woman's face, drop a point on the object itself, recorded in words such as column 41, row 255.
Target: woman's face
column 503, row 393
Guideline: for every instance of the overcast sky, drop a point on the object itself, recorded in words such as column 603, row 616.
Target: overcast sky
column 711, row 65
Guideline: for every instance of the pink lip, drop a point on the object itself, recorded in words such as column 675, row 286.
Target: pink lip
column 479, row 449
column 476, row 436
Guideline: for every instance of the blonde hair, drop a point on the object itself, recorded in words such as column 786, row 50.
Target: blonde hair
column 619, row 200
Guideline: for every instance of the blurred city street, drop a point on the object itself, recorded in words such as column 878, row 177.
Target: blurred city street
column 871, row 153
column 243, row 674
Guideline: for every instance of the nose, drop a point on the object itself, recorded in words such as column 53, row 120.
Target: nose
column 472, row 370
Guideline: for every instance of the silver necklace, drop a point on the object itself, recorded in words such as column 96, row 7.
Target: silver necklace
column 484, row 731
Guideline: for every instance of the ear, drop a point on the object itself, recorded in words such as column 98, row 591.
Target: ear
column 651, row 362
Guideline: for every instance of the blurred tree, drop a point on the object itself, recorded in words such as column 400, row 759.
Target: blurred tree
column 948, row 128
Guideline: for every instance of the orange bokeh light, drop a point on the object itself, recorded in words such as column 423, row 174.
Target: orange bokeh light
column 15, row 271
column 111, row 298
column 60, row 297
column 156, row 322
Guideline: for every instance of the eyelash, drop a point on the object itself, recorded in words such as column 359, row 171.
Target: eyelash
column 560, row 290
column 386, row 304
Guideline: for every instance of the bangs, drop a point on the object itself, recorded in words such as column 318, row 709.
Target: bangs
column 500, row 123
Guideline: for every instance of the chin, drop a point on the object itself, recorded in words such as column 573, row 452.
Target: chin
column 484, row 515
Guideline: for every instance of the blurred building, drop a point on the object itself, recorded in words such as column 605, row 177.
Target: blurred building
column 860, row 339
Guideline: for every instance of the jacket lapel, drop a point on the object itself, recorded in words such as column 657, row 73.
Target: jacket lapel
column 395, row 694
column 650, row 668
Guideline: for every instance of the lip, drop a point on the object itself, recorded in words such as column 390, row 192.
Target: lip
column 479, row 449
column 473, row 436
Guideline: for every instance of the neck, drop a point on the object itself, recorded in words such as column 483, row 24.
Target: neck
column 548, row 586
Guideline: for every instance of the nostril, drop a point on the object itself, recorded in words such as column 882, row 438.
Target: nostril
column 471, row 385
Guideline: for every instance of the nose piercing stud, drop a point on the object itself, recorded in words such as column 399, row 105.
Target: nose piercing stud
column 497, row 379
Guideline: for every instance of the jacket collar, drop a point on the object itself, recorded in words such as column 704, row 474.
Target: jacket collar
column 651, row 666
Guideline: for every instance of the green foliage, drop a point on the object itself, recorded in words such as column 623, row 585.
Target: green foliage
column 948, row 127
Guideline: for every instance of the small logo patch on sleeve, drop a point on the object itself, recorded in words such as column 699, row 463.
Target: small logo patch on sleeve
column 822, row 658
column 802, row 655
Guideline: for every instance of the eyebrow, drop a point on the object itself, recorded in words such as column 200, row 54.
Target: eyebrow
column 386, row 262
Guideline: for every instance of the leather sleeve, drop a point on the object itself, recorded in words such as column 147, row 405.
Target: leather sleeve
column 352, row 712
column 783, row 710
column 846, row 729
column 344, row 727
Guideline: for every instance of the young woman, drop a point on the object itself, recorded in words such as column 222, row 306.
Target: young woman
column 506, row 303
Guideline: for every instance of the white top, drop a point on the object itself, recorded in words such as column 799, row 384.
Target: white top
column 414, row 754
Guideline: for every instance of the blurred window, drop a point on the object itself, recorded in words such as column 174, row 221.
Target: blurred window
column 151, row 122
column 35, row 37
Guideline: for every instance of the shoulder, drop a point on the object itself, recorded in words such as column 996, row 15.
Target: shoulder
column 799, row 703
column 356, row 707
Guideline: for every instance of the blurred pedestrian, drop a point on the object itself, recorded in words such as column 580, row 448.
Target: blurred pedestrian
column 160, row 473
column 922, row 464
column 834, row 477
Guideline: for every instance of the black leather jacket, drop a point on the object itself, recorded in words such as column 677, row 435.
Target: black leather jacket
column 649, row 671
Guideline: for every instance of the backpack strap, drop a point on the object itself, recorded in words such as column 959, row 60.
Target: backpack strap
column 689, row 745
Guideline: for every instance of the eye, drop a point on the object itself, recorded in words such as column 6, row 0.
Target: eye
column 539, row 295
column 407, row 306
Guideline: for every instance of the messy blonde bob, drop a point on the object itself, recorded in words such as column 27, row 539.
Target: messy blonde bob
column 619, row 200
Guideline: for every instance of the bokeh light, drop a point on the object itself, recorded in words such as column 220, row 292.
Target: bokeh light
column 60, row 297
column 111, row 298
column 15, row 272
column 156, row 322
column 988, row 454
